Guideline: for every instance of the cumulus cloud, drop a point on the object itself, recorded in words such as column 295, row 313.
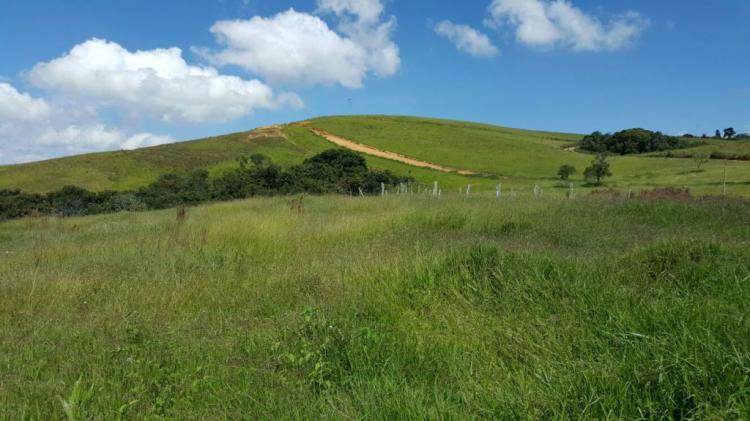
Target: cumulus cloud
column 467, row 39
column 301, row 49
column 557, row 23
column 152, row 82
column 32, row 129
column 15, row 105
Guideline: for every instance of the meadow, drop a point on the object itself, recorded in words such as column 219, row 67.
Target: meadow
column 407, row 307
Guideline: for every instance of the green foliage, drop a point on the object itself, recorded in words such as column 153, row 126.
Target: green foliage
column 566, row 171
column 631, row 141
column 174, row 189
column 598, row 169
column 16, row 204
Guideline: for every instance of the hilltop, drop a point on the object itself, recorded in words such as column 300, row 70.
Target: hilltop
column 484, row 154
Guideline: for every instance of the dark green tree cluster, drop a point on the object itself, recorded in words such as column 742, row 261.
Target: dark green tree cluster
column 335, row 171
column 631, row 141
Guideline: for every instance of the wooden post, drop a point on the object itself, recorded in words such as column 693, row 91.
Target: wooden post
column 435, row 189
column 499, row 191
column 382, row 189
column 468, row 190
column 361, row 193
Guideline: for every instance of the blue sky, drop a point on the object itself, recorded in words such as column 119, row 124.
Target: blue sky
column 574, row 66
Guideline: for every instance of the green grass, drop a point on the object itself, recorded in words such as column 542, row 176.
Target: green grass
column 380, row 308
column 727, row 149
column 518, row 159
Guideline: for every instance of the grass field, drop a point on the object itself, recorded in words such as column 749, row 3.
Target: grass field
column 729, row 149
column 518, row 159
column 381, row 308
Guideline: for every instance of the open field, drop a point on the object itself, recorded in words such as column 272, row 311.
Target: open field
column 381, row 308
column 518, row 159
column 726, row 149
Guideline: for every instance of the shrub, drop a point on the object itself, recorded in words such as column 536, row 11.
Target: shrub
column 16, row 204
column 172, row 190
column 565, row 172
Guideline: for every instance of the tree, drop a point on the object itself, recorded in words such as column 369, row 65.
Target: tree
column 729, row 133
column 701, row 158
column 598, row 170
column 718, row 134
column 566, row 171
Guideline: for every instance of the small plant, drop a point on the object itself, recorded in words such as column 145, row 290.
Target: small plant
column 565, row 172
column 297, row 205
column 182, row 215
column 598, row 170
column 73, row 406
column 701, row 158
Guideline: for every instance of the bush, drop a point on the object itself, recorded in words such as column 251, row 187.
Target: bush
column 16, row 204
column 172, row 190
column 565, row 172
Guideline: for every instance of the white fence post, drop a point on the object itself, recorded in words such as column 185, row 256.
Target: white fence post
column 499, row 191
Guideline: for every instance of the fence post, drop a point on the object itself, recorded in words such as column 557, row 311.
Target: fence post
column 499, row 191
column 537, row 190
column 468, row 190
column 435, row 189
column 382, row 189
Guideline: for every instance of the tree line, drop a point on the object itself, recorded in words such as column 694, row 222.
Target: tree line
column 334, row 171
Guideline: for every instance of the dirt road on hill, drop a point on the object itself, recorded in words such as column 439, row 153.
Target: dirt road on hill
column 358, row 147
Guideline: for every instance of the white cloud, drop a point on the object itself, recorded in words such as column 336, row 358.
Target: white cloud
column 301, row 49
column 15, row 105
column 154, row 82
column 32, row 129
column 557, row 23
column 367, row 11
column 467, row 39
column 97, row 137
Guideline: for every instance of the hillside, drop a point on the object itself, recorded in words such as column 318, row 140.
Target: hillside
column 518, row 159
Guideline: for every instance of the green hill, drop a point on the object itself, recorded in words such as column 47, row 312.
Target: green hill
column 518, row 159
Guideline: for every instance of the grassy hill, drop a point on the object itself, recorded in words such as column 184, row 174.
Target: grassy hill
column 518, row 159
column 402, row 307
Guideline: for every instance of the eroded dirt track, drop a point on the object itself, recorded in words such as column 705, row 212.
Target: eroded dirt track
column 358, row 147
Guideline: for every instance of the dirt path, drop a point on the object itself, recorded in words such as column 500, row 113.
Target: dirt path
column 358, row 147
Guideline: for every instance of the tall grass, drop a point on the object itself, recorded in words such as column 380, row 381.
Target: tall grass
column 394, row 307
